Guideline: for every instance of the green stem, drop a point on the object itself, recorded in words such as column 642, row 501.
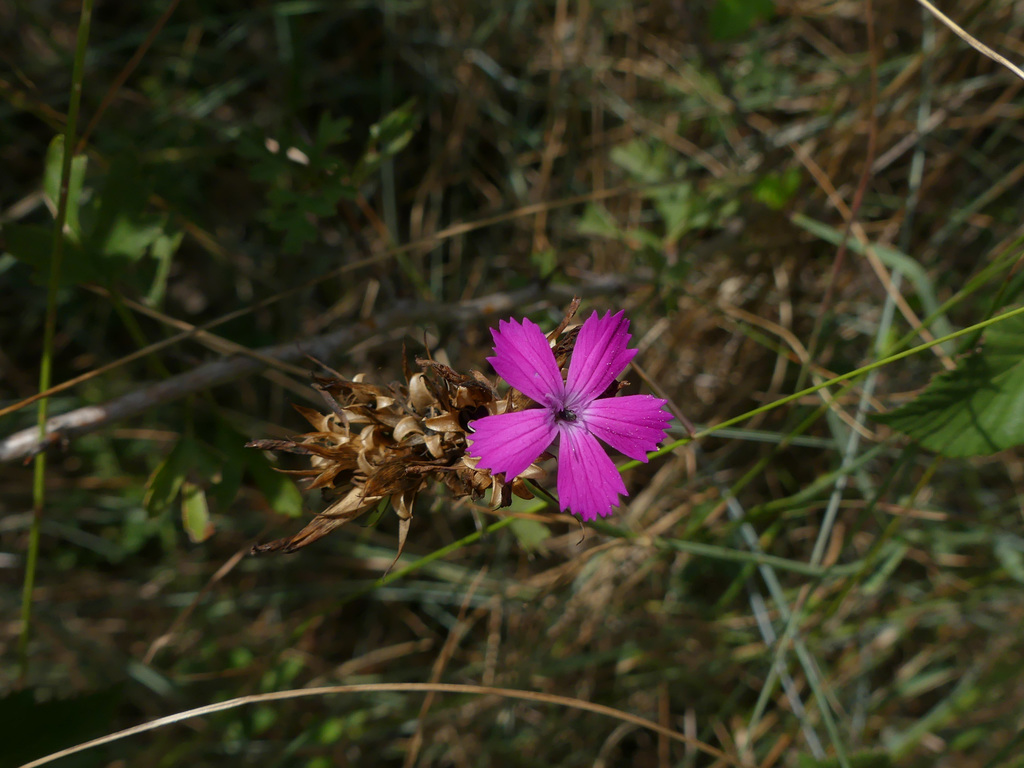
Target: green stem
column 707, row 550
column 49, row 331
column 831, row 382
column 131, row 324
column 437, row 554
column 715, row 552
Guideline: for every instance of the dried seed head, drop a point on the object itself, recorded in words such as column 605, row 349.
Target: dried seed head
column 391, row 442
column 377, row 443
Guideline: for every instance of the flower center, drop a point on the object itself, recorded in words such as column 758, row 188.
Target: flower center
column 566, row 415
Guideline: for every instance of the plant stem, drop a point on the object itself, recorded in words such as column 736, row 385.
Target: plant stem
column 49, row 331
column 669, row 447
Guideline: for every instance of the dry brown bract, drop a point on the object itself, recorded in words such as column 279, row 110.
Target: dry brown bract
column 387, row 443
column 380, row 443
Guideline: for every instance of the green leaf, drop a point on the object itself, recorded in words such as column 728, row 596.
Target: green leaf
column 387, row 138
column 392, row 134
column 51, row 182
column 279, row 490
column 732, row 18
column 647, row 164
column 544, row 262
column 164, row 248
column 331, row 131
column 166, row 480
column 371, row 519
column 120, row 228
column 108, row 235
column 677, row 207
column 646, row 238
column 531, row 534
column 880, row 579
column 233, row 456
column 596, row 220
column 195, row 513
column 32, row 245
column 976, row 409
column 776, row 189
column 1009, row 551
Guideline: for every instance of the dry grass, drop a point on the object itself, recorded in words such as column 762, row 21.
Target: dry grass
column 614, row 146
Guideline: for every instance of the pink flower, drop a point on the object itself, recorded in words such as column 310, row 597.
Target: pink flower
column 572, row 411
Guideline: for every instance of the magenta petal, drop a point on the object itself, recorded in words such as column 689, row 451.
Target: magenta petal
column 523, row 358
column 588, row 483
column 633, row 425
column 599, row 356
column 510, row 442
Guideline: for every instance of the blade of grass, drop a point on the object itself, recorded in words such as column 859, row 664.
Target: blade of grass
column 849, row 457
column 475, row 690
column 972, row 41
column 843, row 377
column 49, row 331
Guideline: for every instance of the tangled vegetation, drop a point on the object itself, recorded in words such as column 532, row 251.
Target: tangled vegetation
column 808, row 210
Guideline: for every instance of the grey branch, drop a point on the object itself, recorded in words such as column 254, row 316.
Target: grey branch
column 27, row 442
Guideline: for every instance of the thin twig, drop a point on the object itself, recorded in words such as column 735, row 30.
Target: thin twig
column 125, row 73
column 29, row 442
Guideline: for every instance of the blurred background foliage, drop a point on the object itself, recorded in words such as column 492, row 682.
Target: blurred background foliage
column 692, row 163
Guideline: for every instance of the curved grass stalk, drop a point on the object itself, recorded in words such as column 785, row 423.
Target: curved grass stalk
column 474, row 690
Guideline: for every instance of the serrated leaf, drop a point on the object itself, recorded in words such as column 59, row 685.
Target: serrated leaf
column 279, row 490
column 331, row 131
column 51, row 182
column 976, row 409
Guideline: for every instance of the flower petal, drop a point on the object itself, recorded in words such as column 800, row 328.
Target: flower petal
column 599, row 356
column 523, row 358
column 510, row 442
column 588, row 483
column 633, row 425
